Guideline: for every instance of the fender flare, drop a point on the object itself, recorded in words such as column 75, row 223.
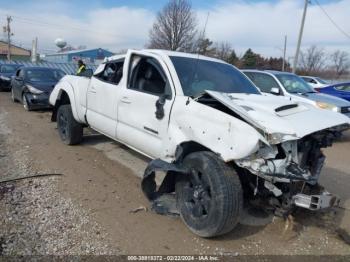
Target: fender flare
column 60, row 89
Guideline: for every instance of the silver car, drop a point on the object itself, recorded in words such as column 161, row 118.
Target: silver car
column 295, row 88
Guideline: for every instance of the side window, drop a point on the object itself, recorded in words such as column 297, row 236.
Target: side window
column 21, row 73
column 343, row 88
column 112, row 73
column 147, row 76
column 264, row 82
column 312, row 81
column 309, row 80
column 250, row 76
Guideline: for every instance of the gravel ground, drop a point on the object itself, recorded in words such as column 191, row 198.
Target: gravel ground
column 35, row 218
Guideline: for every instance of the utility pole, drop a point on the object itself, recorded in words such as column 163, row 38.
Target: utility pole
column 9, row 34
column 34, row 50
column 284, row 54
column 300, row 36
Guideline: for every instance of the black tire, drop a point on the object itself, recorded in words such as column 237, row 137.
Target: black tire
column 209, row 199
column 25, row 103
column 70, row 131
column 14, row 100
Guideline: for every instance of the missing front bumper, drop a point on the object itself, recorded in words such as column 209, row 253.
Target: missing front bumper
column 315, row 202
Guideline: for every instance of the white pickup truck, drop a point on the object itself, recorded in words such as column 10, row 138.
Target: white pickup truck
column 209, row 129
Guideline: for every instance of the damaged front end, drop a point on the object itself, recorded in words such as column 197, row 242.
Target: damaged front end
column 287, row 174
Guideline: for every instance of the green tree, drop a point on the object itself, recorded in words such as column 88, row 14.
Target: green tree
column 249, row 59
column 233, row 59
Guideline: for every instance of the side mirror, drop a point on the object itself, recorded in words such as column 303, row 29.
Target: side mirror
column 160, row 106
column 19, row 78
column 275, row 91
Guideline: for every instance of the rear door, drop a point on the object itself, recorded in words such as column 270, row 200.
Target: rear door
column 102, row 96
column 145, row 104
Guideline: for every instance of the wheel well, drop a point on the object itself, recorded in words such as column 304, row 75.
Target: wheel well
column 187, row 148
column 62, row 100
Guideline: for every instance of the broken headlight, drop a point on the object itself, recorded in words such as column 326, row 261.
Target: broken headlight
column 275, row 138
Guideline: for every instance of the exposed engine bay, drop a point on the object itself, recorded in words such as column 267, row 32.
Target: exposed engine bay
column 287, row 174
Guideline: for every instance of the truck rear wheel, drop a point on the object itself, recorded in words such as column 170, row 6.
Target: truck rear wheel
column 210, row 198
column 70, row 131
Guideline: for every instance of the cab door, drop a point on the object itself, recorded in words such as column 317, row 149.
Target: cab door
column 144, row 105
column 102, row 96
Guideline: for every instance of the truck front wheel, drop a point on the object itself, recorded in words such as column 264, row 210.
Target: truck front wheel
column 210, row 198
column 70, row 131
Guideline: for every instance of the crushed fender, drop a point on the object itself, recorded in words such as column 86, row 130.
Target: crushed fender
column 163, row 200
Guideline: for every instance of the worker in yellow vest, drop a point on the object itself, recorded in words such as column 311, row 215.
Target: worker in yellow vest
column 81, row 67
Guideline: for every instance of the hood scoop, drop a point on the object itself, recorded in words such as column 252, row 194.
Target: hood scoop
column 286, row 107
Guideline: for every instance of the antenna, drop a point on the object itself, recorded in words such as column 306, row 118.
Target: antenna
column 205, row 25
column 201, row 36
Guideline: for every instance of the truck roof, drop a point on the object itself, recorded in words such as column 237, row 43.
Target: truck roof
column 168, row 53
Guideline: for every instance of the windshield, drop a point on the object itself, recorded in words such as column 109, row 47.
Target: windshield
column 8, row 68
column 294, row 84
column 197, row 75
column 44, row 75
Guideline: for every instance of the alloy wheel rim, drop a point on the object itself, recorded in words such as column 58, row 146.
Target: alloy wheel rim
column 25, row 102
column 197, row 195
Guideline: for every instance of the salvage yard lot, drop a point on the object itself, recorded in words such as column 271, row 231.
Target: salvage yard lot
column 100, row 185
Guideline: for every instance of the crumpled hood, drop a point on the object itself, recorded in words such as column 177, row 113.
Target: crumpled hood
column 276, row 115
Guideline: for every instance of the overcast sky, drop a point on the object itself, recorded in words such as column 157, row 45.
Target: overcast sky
column 119, row 24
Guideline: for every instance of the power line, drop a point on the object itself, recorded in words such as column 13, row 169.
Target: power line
column 61, row 27
column 332, row 21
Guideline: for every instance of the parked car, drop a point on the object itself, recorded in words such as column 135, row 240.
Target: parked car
column 32, row 86
column 341, row 90
column 7, row 71
column 315, row 82
column 295, row 88
column 208, row 128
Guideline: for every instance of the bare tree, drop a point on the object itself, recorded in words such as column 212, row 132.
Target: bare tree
column 204, row 47
column 223, row 51
column 312, row 60
column 340, row 62
column 175, row 27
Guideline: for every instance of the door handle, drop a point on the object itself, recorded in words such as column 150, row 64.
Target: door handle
column 125, row 100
